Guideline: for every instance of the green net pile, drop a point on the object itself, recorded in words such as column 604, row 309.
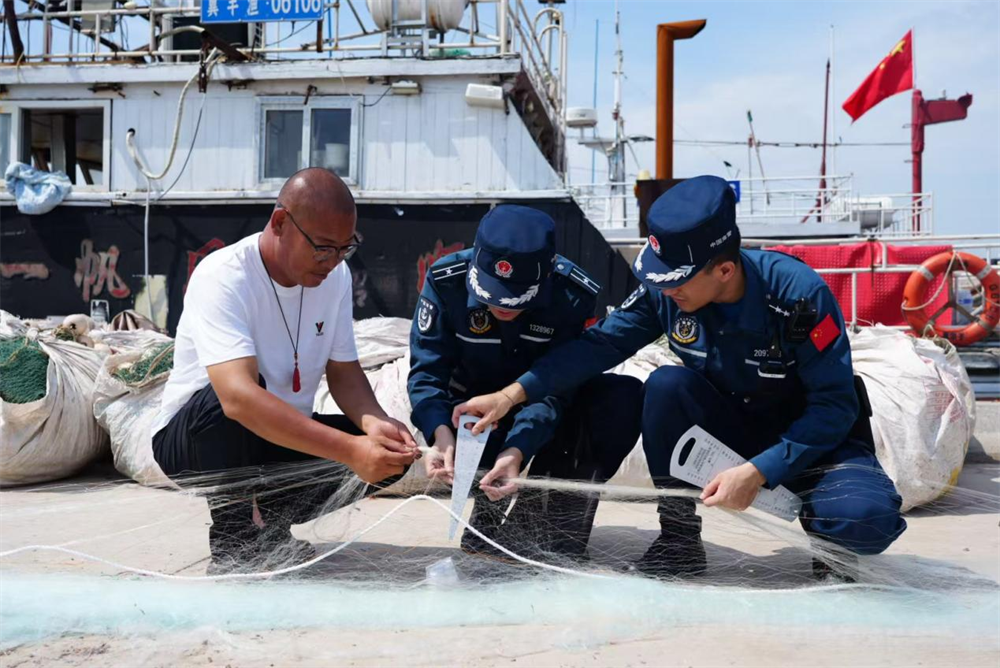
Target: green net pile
column 155, row 362
column 23, row 370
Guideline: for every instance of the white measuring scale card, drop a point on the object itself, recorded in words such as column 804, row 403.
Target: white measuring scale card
column 468, row 452
column 698, row 457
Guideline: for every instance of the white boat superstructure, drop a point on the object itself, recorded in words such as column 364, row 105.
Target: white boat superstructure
column 465, row 100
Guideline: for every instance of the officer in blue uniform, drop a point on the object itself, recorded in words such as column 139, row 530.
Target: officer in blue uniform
column 766, row 370
column 483, row 317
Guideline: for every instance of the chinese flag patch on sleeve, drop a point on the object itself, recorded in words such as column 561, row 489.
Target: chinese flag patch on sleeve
column 824, row 333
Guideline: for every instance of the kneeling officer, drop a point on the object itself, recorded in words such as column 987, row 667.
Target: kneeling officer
column 483, row 317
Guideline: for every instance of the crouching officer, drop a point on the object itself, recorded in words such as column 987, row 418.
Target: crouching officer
column 766, row 370
column 483, row 316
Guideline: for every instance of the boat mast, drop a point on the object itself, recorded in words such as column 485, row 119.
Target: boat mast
column 616, row 173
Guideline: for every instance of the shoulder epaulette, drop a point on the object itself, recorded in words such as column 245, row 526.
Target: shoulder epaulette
column 449, row 270
column 577, row 275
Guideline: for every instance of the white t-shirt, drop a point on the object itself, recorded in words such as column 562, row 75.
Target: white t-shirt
column 230, row 312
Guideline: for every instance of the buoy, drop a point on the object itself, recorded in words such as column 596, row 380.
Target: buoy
column 915, row 301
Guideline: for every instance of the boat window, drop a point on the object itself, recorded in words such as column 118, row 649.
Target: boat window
column 282, row 143
column 5, row 139
column 330, row 143
column 64, row 140
column 324, row 131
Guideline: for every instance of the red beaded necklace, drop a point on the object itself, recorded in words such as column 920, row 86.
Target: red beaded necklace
column 296, row 380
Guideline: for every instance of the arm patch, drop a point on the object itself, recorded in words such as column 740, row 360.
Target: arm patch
column 426, row 314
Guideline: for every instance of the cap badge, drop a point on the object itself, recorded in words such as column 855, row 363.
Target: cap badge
column 654, row 243
column 503, row 268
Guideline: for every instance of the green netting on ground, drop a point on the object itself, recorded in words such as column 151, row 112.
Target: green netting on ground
column 23, row 370
column 156, row 361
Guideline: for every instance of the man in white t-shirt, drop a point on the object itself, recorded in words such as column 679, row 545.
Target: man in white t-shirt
column 263, row 320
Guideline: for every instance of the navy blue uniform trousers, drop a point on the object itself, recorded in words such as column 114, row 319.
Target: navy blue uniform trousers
column 847, row 497
column 595, row 434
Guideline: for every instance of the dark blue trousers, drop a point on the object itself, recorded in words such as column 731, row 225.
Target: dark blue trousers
column 596, row 433
column 847, row 497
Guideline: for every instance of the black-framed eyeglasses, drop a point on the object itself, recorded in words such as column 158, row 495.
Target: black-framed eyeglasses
column 324, row 253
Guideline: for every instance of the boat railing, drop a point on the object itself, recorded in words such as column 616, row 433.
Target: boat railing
column 53, row 31
column 986, row 246
column 608, row 206
column 780, row 201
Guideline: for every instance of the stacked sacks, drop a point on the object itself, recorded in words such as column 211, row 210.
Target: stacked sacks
column 47, row 428
column 127, row 398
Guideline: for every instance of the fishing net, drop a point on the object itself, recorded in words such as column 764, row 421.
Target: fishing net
column 154, row 363
column 23, row 369
column 115, row 570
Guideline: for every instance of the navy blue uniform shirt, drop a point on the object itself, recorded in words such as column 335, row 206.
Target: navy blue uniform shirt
column 813, row 405
column 459, row 350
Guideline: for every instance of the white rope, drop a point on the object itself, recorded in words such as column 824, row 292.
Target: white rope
column 944, row 282
column 596, row 487
column 210, row 63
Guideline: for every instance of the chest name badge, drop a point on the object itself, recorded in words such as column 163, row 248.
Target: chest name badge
column 685, row 329
column 479, row 321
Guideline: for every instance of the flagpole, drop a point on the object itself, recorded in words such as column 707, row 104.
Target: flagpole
column 833, row 119
column 916, row 142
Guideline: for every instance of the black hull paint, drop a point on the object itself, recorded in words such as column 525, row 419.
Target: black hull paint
column 56, row 263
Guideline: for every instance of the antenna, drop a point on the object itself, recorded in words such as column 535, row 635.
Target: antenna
column 760, row 163
column 618, row 159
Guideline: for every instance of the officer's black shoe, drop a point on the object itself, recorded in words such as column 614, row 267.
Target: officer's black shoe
column 678, row 551
column 548, row 527
column 518, row 532
column 565, row 524
column 486, row 518
column 833, row 564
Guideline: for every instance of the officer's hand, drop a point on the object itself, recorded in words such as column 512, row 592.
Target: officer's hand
column 390, row 434
column 440, row 460
column 505, row 472
column 735, row 488
column 491, row 408
column 373, row 462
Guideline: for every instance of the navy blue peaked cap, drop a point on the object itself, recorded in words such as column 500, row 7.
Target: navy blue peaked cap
column 512, row 261
column 688, row 225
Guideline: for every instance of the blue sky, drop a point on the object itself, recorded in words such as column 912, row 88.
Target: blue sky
column 770, row 57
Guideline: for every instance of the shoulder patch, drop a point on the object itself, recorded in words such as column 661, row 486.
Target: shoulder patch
column 426, row 315
column 450, row 270
column 634, row 297
column 578, row 276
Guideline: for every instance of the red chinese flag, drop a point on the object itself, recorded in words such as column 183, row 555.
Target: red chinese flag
column 893, row 75
column 824, row 333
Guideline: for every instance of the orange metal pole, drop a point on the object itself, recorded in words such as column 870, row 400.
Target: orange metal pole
column 666, row 33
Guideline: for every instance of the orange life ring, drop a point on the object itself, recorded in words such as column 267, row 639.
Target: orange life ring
column 915, row 298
